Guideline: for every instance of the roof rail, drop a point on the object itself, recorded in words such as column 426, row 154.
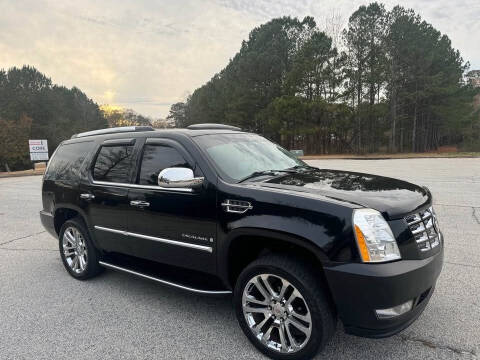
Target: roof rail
column 113, row 130
column 212, row 127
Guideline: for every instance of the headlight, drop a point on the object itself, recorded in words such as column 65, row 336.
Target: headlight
column 374, row 237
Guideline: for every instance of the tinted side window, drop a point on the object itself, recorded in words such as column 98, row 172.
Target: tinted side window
column 155, row 159
column 113, row 164
column 66, row 163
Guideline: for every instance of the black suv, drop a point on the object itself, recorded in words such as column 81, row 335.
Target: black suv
column 214, row 210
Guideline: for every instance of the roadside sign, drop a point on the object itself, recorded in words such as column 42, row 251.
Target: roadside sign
column 38, row 150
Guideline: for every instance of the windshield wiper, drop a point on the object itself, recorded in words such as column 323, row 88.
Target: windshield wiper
column 298, row 167
column 265, row 172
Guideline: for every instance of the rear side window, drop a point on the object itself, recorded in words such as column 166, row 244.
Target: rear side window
column 113, row 164
column 155, row 159
column 68, row 159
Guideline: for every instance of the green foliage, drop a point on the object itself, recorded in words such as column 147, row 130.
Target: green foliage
column 398, row 86
column 55, row 113
column 117, row 116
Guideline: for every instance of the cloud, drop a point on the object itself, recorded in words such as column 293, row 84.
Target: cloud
column 147, row 55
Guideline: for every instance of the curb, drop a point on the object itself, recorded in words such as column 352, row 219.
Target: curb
column 21, row 173
column 313, row 157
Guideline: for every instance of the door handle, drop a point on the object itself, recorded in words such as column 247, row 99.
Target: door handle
column 140, row 203
column 87, row 196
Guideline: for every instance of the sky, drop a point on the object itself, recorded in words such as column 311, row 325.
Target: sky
column 147, row 55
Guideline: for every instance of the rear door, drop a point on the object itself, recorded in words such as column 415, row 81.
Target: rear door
column 105, row 196
column 173, row 226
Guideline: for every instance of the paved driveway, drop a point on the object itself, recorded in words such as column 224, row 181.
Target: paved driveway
column 45, row 314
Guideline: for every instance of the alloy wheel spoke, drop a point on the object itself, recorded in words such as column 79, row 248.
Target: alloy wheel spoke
column 75, row 263
column 70, row 237
column 260, row 325
column 261, row 288
column 69, row 253
column 283, row 341
column 250, row 309
column 292, row 297
column 268, row 286
column 284, row 288
column 82, row 263
column 267, row 334
column 78, row 236
column 253, row 300
column 298, row 325
column 305, row 318
column 291, row 339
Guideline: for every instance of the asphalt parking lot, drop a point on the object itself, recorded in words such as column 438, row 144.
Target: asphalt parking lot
column 46, row 314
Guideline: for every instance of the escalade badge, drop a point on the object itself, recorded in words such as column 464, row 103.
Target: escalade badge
column 197, row 237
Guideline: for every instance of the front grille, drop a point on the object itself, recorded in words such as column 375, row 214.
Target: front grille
column 425, row 230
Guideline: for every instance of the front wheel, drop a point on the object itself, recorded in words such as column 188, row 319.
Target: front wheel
column 283, row 309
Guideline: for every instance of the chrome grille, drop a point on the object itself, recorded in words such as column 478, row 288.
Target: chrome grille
column 425, row 230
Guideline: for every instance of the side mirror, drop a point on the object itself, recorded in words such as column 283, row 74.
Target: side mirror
column 178, row 178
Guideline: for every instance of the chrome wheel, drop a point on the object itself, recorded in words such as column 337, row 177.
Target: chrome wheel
column 74, row 249
column 276, row 313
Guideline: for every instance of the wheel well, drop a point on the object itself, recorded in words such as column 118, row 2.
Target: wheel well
column 62, row 215
column 244, row 249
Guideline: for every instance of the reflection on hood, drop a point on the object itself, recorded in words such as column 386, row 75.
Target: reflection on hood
column 388, row 195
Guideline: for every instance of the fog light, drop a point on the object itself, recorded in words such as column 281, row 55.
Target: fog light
column 394, row 311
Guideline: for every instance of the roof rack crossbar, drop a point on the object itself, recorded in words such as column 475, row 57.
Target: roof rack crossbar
column 212, row 126
column 114, row 130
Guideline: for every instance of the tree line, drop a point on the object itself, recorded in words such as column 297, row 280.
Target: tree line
column 32, row 107
column 389, row 81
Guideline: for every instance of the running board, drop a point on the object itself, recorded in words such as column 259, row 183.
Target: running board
column 165, row 282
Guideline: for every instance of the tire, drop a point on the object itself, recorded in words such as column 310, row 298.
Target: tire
column 87, row 265
column 312, row 308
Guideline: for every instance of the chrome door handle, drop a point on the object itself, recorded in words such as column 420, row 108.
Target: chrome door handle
column 139, row 203
column 87, row 196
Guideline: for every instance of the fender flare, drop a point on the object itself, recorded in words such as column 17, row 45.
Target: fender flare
column 285, row 237
column 81, row 212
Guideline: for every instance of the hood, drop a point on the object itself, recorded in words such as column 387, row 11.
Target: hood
column 392, row 197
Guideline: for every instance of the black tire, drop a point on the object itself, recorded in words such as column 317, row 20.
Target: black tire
column 92, row 267
column 313, row 291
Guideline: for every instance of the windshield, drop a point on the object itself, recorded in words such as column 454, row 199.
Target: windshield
column 236, row 156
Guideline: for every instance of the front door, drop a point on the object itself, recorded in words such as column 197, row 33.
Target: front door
column 171, row 226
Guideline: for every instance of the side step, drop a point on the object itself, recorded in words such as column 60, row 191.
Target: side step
column 165, row 282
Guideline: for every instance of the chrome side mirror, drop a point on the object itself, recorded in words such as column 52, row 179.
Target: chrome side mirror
column 178, row 177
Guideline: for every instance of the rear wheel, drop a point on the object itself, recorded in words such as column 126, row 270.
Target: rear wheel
column 283, row 309
column 79, row 255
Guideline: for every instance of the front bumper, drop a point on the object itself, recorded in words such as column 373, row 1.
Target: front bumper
column 359, row 289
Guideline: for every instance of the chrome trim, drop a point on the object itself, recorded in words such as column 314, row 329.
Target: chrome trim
column 424, row 228
column 419, row 230
column 139, row 203
column 87, row 196
column 236, row 206
column 178, row 177
column 165, row 282
column 154, row 238
column 136, row 186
